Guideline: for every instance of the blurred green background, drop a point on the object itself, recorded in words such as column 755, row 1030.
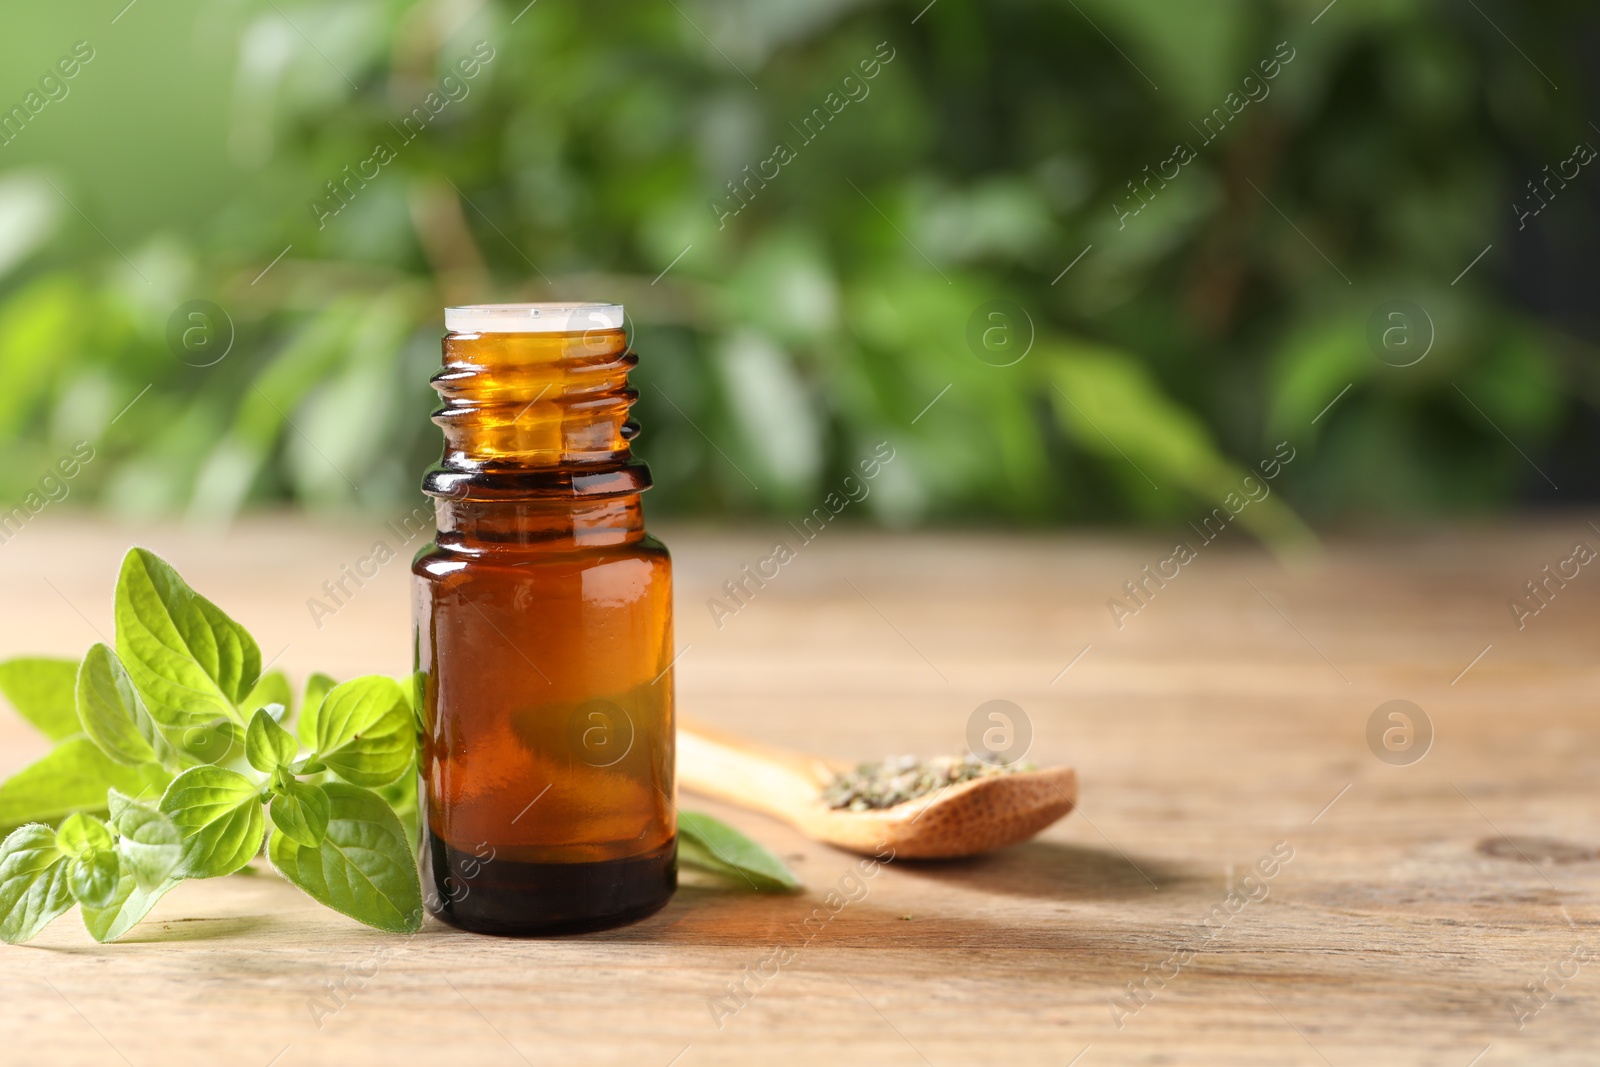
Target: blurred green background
column 986, row 168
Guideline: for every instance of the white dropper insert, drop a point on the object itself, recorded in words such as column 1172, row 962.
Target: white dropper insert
column 533, row 318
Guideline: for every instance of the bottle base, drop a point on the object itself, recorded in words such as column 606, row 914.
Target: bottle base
column 512, row 899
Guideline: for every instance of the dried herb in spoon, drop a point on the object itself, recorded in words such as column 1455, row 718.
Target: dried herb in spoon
column 898, row 779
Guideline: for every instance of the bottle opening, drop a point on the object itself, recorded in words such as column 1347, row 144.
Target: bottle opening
column 533, row 318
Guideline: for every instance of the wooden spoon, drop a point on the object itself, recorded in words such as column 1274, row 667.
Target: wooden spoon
column 961, row 820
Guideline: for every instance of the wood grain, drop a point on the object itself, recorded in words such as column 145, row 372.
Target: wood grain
column 1226, row 716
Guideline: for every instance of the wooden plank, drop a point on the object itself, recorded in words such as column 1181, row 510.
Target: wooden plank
column 1225, row 716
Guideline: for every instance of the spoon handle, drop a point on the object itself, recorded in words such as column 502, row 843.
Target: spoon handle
column 775, row 781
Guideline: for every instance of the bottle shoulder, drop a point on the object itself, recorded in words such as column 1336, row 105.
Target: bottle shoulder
column 652, row 545
column 434, row 560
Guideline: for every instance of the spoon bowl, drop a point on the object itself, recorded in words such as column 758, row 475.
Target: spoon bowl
column 964, row 819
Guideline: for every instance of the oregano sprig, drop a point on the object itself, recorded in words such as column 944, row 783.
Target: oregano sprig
column 176, row 758
column 179, row 712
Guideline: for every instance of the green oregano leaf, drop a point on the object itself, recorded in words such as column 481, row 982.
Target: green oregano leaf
column 363, row 868
column 300, row 811
column 93, row 877
column 267, row 745
column 151, row 845
column 217, row 742
column 715, row 846
column 305, row 726
column 130, row 903
column 112, row 713
column 273, row 690
column 191, row 663
column 80, row 833
column 33, row 882
column 149, row 848
column 419, row 700
column 40, row 688
column 401, row 796
column 73, row 776
column 365, row 731
column 218, row 811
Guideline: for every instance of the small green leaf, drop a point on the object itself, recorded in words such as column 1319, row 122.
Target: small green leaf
column 121, row 806
column 301, row 812
column 219, row 741
column 80, row 833
column 305, row 727
column 93, row 877
column 40, row 688
column 191, row 663
column 273, row 688
column 218, row 811
column 363, row 868
column 128, row 905
column 267, row 745
column 33, row 882
column 715, row 846
column 73, row 776
column 151, row 844
column 111, row 712
column 419, row 700
column 401, row 796
column 365, row 731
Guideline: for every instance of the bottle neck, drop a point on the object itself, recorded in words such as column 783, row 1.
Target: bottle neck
column 477, row 526
column 536, row 427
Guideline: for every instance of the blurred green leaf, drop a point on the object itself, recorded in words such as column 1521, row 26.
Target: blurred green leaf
column 272, row 689
column 73, row 776
column 41, row 689
column 1109, row 405
column 318, row 685
column 792, row 314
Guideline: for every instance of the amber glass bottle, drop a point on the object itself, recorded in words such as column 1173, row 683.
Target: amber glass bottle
column 543, row 634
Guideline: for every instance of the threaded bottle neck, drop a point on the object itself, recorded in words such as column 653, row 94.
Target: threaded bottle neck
column 535, row 414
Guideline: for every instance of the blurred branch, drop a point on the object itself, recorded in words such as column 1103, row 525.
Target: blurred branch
column 441, row 226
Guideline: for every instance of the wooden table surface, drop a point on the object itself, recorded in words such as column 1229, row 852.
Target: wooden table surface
column 1225, row 720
